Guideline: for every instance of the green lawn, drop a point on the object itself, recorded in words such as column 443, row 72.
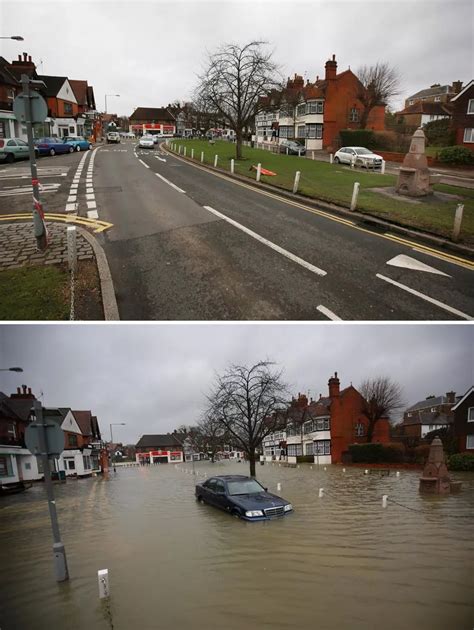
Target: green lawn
column 34, row 293
column 334, row 183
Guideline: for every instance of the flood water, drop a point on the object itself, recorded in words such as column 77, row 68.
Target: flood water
column 338, row 562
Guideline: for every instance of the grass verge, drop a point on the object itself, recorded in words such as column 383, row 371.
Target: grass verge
column 334, row 183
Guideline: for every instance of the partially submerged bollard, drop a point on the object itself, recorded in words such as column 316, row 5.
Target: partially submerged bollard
column 321, row 493
column 384, row 500
column 278, row 486
column 103, row 579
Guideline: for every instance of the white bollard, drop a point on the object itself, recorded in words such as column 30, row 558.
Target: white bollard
column 331, row 158
column 457, row 222
column 279, row 465
column 321, row 492
column 382, row 169
column 296, row 182
column 398, row 473
column 352, row 162
column 71, row 247
column 232, row 166
column 278, row 486
column 325, row 468
column 215, row 160
column 366, row 472
column 103, row 579
column 312, row 154
column 355, row 194
column 298, row 466
column 179, row 150
column 384, row 500
column 343, row 470
column 202, row 156
column 311, row 468
column 184, row 152
column 192, row 154
column 286, row 150
column 259, row 171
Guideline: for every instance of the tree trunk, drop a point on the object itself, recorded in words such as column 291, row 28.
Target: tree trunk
column 252, row 463
column 238, row 144
column 364, row 117
column 370, row 431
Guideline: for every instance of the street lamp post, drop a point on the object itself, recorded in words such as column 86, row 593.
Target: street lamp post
column 12, row 369
column 118, row 95
column 112, row 440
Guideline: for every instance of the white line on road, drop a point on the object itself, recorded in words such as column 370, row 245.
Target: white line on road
column 167, row 181
column 408, row 262
column 277, row 248
column 92, row 214
column 329, row 314
column 160, row 158
column 446, row 307
column 143, row 163
column 91, row 205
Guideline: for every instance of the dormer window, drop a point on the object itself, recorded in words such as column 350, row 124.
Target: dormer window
column 409, row 414
column 434, row 409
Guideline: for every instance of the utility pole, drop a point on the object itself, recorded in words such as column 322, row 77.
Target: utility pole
column 60, row 561
column 41, row 233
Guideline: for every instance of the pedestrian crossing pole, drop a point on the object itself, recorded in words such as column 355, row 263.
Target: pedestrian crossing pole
column 41, row 233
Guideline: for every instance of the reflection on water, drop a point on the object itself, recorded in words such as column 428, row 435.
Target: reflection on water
column 338, row 562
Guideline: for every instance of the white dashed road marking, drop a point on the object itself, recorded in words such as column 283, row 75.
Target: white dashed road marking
column 167, row 181
column 446, row 307
column 261, row 239
column 329, row 314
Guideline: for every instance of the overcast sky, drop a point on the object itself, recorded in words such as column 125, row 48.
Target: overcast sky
column 155, row 377
column 150, row 52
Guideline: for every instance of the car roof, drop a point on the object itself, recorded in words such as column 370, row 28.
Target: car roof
column 231, row 477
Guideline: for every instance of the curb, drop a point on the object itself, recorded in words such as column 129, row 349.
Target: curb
column 364, row 218
column 109, row 301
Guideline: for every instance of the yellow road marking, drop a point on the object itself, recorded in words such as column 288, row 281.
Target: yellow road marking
column 95, row 224
column 455, row 260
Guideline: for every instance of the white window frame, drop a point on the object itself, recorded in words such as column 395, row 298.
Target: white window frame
column 411, row 102
column 471, row 134
column 437, row 99
column 470, row 414
column 301, row 109
column 470, row 106
column 469, row 441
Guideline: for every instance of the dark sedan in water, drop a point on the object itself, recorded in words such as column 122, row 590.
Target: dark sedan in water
column 243, row 497
column 51, row 146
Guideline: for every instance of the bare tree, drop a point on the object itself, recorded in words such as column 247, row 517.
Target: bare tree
column 382, row 397
column 233, row 82
column 212, row 435
column 247, row 401
column 380, row 83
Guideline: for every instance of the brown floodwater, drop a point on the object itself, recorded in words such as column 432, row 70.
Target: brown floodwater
column 341, row 561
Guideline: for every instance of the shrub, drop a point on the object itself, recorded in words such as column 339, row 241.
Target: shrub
column 456, row 155
column 439, row 132
column 305, row 459
column 393, row 452
column 366, row 453
column 419, row 454
column 357, row 138
column 461, row 461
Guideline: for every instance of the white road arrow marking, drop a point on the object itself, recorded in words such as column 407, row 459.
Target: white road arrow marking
column 411, row 263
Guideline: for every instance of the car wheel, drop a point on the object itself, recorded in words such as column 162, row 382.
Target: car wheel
column 337, row 160
column 78, row 148
column 199, row 499
column 10, row 158
column 235, row 513
column 52, row 152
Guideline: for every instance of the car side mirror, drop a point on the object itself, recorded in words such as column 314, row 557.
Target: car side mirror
column 266, row 489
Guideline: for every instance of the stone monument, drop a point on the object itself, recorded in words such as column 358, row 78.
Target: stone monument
column 435, row 479
column 414, row 179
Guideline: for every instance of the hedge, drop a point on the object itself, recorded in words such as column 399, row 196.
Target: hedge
column 461, row 461
column 377, row 453
column 357, row 138
column 456, row 155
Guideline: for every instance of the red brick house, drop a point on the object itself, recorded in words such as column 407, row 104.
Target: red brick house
column 436, row 93
column 462, row 121
column 315, row 113
column 423, row 112
column 159, row 449
column 435, row 412
column 330, row 425
column 463, row 412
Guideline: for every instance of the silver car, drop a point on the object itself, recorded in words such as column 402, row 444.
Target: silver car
column 359, row 155
column 146, row 142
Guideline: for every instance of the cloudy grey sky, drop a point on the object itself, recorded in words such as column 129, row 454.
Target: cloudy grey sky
column 154, row 377
column 150, row 52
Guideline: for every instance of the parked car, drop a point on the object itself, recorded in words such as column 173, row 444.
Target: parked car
column 242, row 497
column 146, row 142
column 113, row 137
column 79, row 143
column 361, row 156
column 294, row 148
column 12, row 149
column 51, row 146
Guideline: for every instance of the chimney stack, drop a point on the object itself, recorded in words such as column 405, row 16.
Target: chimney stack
column 331, row 69
column 333, row 384
column 457, row 86
column 451, row 396
column 23, row 393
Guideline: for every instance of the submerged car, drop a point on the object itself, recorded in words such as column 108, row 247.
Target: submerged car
column 79, row 143
column 51, row 146
column 292, row 148
column 359, row 155
column 12, row 149
column 146, row 142
column 242, row 497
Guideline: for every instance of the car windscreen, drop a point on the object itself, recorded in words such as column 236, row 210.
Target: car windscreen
column 244, row 486
column 362, row 151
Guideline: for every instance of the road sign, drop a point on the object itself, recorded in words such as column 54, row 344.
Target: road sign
column 54, row 438
column 39, row 108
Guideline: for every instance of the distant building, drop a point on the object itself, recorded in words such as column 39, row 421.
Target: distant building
column 153, row 120
column 431, row 414
column 436, row 93
column 462, row 110
column 421, row 113
column 463, row 412
column 159, row 449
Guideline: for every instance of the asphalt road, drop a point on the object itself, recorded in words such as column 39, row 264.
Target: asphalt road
column 189, row 245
